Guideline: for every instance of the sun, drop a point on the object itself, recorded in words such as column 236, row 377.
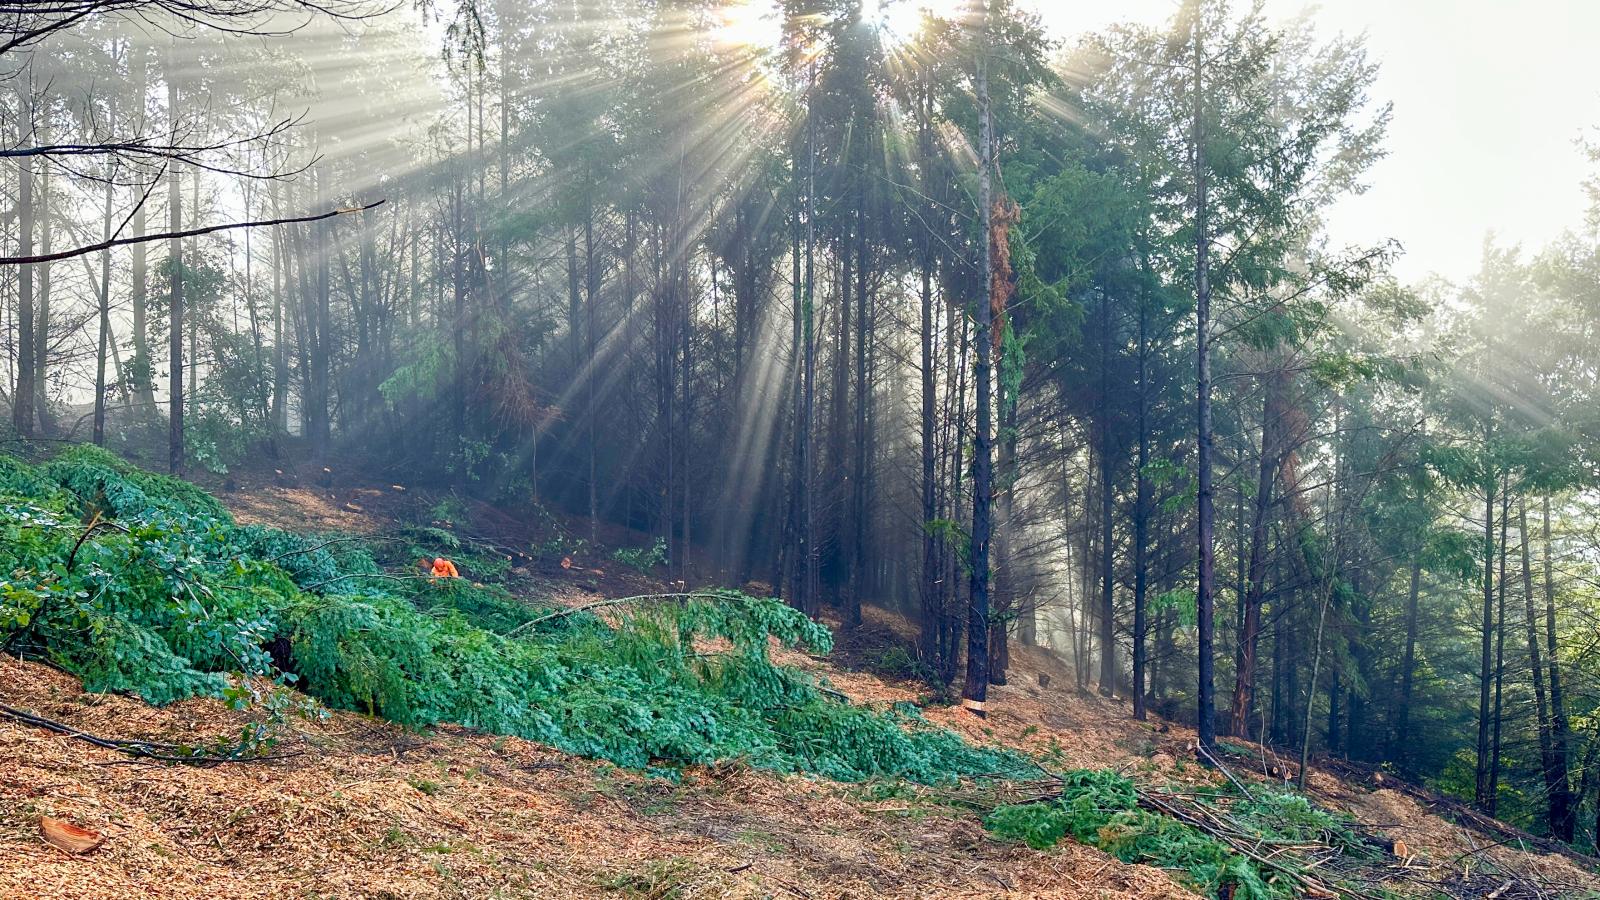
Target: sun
column 899, row 22
column 750, row 23
column 759, row 23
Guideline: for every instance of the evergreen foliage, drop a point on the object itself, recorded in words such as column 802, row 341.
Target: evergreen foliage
column 1101, row 809
column 167, row 598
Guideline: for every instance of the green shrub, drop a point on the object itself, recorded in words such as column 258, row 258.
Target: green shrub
column 1100, row 808
column 167, row 598
column 643, row 559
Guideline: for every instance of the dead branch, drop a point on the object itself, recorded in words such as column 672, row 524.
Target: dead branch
column 151, row 750
column 192, row 232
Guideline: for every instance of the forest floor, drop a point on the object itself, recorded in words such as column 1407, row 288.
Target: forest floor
column 354, row 807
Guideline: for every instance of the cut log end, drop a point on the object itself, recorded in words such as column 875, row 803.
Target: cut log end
column 69, row 837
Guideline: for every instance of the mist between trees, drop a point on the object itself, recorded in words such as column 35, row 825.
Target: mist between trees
column 1028, row 339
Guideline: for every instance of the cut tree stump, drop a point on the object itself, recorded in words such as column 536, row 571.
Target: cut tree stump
column 67, row 836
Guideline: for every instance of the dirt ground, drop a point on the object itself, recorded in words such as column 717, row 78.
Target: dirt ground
column 355, row 807
column 359, row 808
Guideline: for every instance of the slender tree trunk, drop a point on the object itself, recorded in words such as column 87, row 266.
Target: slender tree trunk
column 1499, row 654
column 1555, row 786
column 1400, row 738
column 1206, row 577
column 143, row 367
column 104, row 337
column 194, row 311
column 794, row 564
column 1481, row 795
column 1141, row 513
column 1004, row 593
column 975, row 691
column 930, row 591
column 1560, row 734
column 858, row 481
column 22, row 401
column 1108, row 610
column 323, row 361
column 1250, row 635
column 810, row 599
column 280, row 351
column 591, row 287
column 175, row 450
column 41, row 315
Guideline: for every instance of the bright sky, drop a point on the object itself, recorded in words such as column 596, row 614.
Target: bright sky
column 1489, row 97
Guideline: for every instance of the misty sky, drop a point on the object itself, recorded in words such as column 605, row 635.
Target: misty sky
column 1489, row 98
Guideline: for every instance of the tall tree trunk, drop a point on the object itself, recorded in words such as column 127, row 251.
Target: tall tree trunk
column 22, row 401
column 1399, row 749
column 975, row 691
column 1250, row 634
column 1554, row 784
column 194, row 311
column 1108, row 610
column 280, row 351
column 1141, row 512
column 839, row 443
column 1560, row 734
column 326, row 248
column 1005, row 601
column 591, row 287
column 810, row 600
column 930, row 589
column 104, row 336
column 1481, row 795
column 175, row 451
column 143, row 367
column 1499, row 654
column 858, row 481
column 793, row 559
column 41, row 313
column 1206, row 576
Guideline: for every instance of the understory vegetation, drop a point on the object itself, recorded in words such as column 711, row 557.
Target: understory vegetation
column 1102, row 809
column 143, row 584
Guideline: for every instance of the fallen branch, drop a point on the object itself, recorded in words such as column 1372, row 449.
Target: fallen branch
column 615, row 601
column 1307, row 885
column 1201, row 747
column 151, row 750
column 384, row 575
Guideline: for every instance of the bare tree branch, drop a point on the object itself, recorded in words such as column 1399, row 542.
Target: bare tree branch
column 192, row 232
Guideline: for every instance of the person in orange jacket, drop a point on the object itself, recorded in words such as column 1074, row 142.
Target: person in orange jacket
column 444, row 568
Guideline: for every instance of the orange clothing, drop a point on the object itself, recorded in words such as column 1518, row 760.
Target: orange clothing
column 444, row 568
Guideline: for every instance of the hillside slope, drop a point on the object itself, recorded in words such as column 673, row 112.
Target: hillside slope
column 354, row 807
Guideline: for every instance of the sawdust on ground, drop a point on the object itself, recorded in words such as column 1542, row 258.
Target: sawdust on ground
column 363, row 809
column 360, row 808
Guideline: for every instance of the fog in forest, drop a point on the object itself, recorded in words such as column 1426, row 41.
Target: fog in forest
column 1190, row 342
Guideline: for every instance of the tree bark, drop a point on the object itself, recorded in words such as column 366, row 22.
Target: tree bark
column 1400, row 738
column 1250, row 633
column 175, row 449
column 930, row 590
column 104, row 335
column 22, row 402
column 1554, row 783
column 1481, row 796
column 1499, row 655
column 1560, row 734
column 1206, row 577
column 1141, row 513
column 975, row 691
